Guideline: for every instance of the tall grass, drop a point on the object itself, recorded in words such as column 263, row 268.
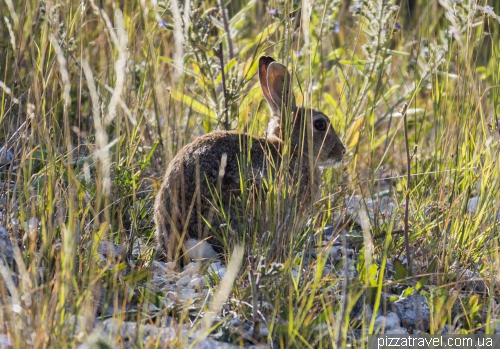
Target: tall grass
column 97, row 97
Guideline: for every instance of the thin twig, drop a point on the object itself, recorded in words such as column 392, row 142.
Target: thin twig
column 345, row 284
column 226, row 28
column 226, row 104
column 407, row 196
column 254, row 284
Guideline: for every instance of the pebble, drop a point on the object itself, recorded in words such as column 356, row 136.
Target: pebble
column 101, row 336
column 413, row 311
column 398, row 330
column 493, row 214
column 204, row 344
column 183, row 281
column 153, row 308
column 351, row 269
column 448, row 329
column 328, row 232
column 6, row 251
column 471, row 281
column 382, row 208
column 109, row 251
column 5, row 341
column 388, row 322
column 197, row 282
column 187, row 294
column 191, row 269
column 6, row 157
column 334, row 252
column 360, row 308
column 158, row 267
column 326, row 270
column 171, row 296
column 472, row 204
column 170, row 266
column 218, row 269
column 31, row 225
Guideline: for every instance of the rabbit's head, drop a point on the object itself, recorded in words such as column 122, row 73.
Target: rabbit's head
column 275, row 83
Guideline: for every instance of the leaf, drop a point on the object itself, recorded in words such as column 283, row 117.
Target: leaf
column 372, row 273
column 432, row 265
column 147, row 160
column 250, row 69
column 241, row 18
column 397, row 53
column 136, row 276
column 184, row 69
column 334, row 55
column 247, row 104
column 391, row 91
column 329, row 99
column 206, row 126
column 359, row 63
column 354, row 133
column 193, row 104
column 408, row 291
column 259, row 39
column 431, row 268
column 400, row 269
column 229, row 66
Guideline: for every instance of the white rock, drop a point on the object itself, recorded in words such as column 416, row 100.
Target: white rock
column 398, row 330
column 31, row 225
column 472, row 204
column 200, row 250
column 152, row 307
column 191, row 269
column 218, row 269
column 158, row 267
column 334, row 252
column 380, row 321
column 326, row 270
column 197, row 282
column 183, row 281
column 389, row 322
column 264, row 332
column 170, row 266
column 187, row 294
column 171, row 295
column 448, row 329
column 392, row 320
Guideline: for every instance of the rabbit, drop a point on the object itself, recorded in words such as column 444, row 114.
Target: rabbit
column 213, row 160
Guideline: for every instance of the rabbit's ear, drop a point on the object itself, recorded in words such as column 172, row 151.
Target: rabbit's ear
column 264, row 63
column 278, row 81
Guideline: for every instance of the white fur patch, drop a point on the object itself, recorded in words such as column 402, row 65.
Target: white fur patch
column 330, row 163
column 200, row 250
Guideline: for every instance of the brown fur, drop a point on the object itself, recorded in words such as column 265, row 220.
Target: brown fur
column 193, row 174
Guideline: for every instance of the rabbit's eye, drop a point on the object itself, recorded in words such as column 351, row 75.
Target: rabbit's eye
column 320, row 125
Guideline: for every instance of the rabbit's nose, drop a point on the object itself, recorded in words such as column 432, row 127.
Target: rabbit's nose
column 339, row 147
column 338, row 152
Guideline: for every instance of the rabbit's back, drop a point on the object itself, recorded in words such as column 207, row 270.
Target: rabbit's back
column 200, row 163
